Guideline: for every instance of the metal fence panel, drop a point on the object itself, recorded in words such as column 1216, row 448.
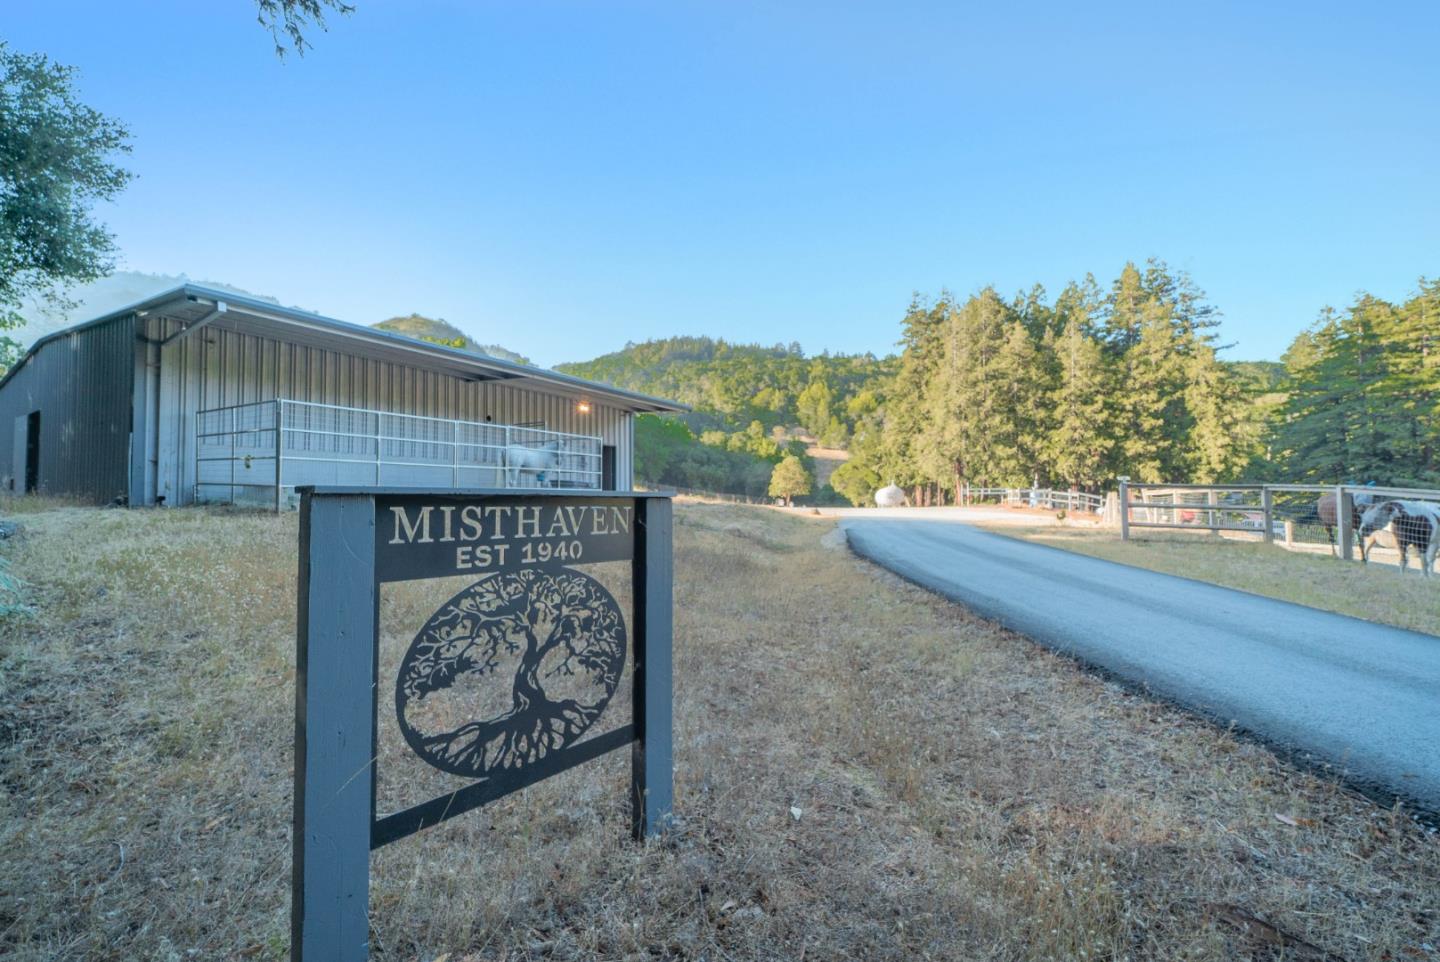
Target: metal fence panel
column 238, row 459
column 1317, row 518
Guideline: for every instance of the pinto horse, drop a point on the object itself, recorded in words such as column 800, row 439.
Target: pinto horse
column 1415, row 523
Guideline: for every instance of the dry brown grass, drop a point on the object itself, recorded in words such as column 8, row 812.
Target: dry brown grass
column 963, row 793
column 1377, row 592
column 827, row 460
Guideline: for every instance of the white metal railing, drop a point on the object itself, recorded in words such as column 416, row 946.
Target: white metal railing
column 1048, row 498
column 258, row 452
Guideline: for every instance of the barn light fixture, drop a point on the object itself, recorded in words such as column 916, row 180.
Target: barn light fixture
column 582, row 407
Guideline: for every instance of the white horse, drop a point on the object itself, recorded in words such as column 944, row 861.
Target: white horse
column 1415, row 523
column 526, row 459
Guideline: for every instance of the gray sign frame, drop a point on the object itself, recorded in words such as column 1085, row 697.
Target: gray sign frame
column 343, row 562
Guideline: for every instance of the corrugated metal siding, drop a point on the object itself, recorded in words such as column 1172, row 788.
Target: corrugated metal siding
column 216, row 367
column 81, row 385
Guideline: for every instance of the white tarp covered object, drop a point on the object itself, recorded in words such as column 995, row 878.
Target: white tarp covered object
column 890, row 496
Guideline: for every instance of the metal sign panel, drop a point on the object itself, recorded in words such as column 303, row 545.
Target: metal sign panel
column 545, row 638
column 425, row 537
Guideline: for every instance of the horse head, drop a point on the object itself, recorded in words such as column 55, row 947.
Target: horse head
column 1378, row 516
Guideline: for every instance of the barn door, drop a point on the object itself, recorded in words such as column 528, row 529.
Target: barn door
column 607, row 467
column 32, row 452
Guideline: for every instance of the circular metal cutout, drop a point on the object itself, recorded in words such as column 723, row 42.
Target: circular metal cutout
column 513, row 668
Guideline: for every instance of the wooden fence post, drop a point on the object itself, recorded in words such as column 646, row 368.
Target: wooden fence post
column 1124, row 509
column 1267, row 506
column 1344, row 509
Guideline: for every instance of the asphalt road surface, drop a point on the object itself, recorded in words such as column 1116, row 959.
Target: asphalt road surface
column 1361, row 697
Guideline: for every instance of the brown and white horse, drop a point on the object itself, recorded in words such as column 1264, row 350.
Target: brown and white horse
column 1415, row 523
column 1326, row 511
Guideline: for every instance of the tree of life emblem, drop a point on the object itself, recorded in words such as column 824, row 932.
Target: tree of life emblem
column 556, row 635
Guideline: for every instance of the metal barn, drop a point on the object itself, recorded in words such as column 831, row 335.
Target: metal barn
column 200, row 395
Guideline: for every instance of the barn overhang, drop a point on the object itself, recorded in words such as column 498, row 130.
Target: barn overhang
column 192, row 307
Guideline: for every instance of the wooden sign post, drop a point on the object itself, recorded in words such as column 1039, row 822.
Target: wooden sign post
column 523, row 550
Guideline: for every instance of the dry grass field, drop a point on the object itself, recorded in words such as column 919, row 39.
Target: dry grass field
column 863, row 772
column 1377, row 592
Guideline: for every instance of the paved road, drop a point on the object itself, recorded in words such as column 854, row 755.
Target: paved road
column 1360, row 696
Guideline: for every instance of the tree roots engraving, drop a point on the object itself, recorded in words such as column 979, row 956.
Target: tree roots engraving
column 565, row 636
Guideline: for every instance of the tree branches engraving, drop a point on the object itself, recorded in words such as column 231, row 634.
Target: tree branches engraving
column 557, row 634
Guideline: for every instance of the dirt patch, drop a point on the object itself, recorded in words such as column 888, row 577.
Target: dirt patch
column 826, row 461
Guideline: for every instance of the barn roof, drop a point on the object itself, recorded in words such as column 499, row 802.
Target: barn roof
column 194, row 306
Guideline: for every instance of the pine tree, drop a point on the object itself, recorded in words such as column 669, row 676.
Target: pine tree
column 968, row 398
column 904, row 422
column 1153, row 420
column 1032, row 311
column 1018, row 430
column 1363, row 392
column 1192, row 316
column 1171, row 414
column 1124, row 311
column 1080, row 439
column 1213, row 402
column 1411, row 335
column 1312, row 437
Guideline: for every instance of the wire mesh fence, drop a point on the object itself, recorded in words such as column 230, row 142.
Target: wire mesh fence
column 1355, row 522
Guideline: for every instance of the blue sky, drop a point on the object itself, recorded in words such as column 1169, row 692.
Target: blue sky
column 561, row 177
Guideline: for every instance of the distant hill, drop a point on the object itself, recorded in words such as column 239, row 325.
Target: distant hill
column 118, row 290
column 731, row 385
column 753, row 406
column 441, row 331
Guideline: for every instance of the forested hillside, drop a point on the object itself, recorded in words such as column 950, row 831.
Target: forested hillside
column 1101, row 381
column 668, row 452
column 1126, row 381
column 440, row 331
column 733, row 385
column 750, row 405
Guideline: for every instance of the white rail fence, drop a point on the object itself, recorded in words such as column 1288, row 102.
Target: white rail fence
column 1315, row 517
column 1047, row 498
column 260, row 452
